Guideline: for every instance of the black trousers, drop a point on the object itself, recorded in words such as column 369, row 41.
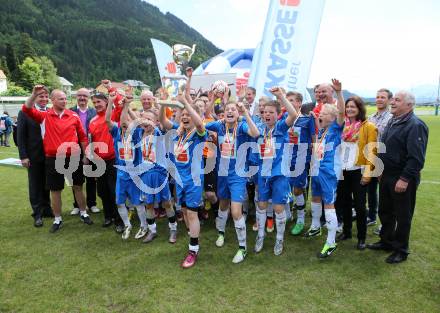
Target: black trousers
column 106, row 185
column 350, row 189
column 372, row 198
column 38, row 194
column 90, row 193
column 395, row 212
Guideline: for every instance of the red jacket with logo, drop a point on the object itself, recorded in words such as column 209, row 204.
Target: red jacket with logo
column 58, row 130
column 98, row 129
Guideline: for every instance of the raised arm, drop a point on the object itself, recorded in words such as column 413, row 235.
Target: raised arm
column 35, row 93
column 189, row 72
column 108, row 111
column 253, row 129
column 196, row 118
column 163, row 119
column 132, row 114
column 241, row 93
column 281, row 97
column 126, row 105
column 337, row 87
column 28, row 107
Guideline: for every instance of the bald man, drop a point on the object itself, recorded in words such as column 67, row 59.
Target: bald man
column 148, row 100
column 323, row 94
column 64, row 143
column 85, row 114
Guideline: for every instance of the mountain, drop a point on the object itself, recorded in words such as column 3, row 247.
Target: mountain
column 89, row 40
column 425, row 93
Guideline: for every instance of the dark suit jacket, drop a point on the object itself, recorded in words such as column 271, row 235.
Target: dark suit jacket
column 30, row 142
column 91, row 112
column 406, row 140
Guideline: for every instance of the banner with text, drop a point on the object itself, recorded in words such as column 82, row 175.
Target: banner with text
column 285, row 54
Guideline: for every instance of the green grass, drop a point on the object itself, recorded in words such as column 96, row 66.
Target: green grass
column 90, row 269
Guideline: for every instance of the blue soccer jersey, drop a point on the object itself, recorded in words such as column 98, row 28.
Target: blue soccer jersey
column 325, row 157
column 151, row 150
column 301, row 133
column 183, row 154
column 229, row 142
column 270, row 149
column 299, row 138
column 126, row 157
column 125, row 151
column 152, row 154
column 187, row 156
column 326, row 163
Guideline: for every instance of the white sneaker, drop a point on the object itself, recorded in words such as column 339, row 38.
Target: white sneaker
column 94, row 209
column 75, row 211
column 220, row 241
column 141, row 233
column 126, row 233
column 239, row 256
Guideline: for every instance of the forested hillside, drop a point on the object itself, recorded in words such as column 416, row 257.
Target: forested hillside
column 88, row 40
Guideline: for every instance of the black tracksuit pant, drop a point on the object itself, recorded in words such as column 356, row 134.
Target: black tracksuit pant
column 106, row 186
column 372, row 198
column 395, row 212
column 38, row 194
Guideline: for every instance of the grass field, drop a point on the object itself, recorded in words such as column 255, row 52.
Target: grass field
column 90, row 269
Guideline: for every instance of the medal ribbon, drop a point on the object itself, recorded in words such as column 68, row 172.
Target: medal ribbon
column 182, row 140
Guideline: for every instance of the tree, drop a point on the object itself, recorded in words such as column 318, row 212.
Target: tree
column 4, row 66
column 50, row 77
column 31, row 74
column 11, row 61
column 26, row 47
column 14, row 91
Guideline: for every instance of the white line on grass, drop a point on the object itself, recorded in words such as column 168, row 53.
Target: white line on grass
column 431, row 182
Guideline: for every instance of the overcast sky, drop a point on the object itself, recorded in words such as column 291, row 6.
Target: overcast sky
column 368, row 44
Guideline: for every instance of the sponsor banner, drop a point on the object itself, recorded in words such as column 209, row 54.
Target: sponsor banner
column 285, row 55
column 164, row 59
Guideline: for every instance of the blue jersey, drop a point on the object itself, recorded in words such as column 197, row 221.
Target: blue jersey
column 151, row 150
column 326, row 158
column 229, row 142
column 184, row 154
column 270, row 148
column 300, row 136
column 125, row 151
column 254, row 156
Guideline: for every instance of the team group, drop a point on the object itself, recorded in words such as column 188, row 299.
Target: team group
column 210, row 152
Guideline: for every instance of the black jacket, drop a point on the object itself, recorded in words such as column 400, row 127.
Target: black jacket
column 405, row 140
column 91, row 113
column 30, row 142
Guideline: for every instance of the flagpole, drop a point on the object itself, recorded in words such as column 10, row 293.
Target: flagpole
column 438, row 97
